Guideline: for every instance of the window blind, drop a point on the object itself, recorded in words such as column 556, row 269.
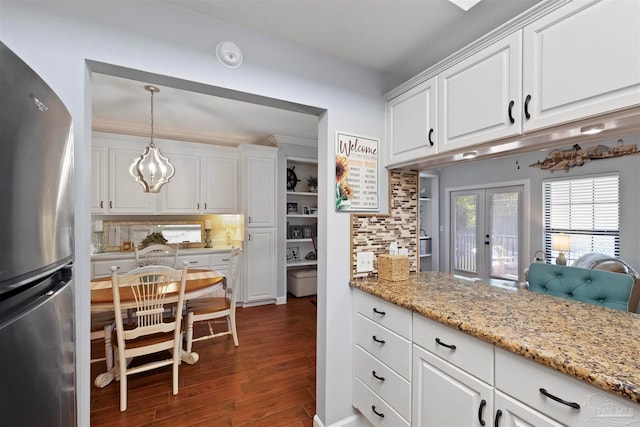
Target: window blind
column 587, row 209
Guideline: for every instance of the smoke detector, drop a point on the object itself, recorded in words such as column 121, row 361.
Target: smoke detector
column 229, row 54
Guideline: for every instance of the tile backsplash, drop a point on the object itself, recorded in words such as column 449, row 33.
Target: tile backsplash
column 374, row 233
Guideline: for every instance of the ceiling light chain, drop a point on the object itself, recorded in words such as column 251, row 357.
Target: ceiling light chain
column 152, row 161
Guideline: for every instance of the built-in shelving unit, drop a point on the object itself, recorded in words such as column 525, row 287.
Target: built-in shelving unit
column 302, row 218
column 428, row 225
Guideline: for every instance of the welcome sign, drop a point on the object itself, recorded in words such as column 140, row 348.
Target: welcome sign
column 356, row 173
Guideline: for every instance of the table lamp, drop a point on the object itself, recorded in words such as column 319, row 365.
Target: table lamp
column 561, row 243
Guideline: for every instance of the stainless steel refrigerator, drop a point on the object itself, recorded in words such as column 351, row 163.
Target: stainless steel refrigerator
column 37, row 345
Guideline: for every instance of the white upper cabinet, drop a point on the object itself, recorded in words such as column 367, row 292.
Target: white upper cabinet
column 411, row 123
column 219, row 185
column 260, row 173
column 581, row 60
column 126, row 196
column 182, row 194
column 99, row 176
column 479, row 97
column 201, row 185
column 205, row 180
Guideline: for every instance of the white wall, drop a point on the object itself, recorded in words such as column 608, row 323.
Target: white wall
column 57, row 37
column 506, row 170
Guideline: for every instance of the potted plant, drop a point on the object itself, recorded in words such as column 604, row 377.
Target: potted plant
column 312, row 183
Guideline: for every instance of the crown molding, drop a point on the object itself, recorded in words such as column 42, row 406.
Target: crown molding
column 276, row 140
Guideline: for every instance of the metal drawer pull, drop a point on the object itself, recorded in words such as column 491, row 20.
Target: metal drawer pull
column 376, row 311
column 193, row 262
column 498, row 415
column 557, row 399
column 376, row 376
column 526, row 107
column 226, row 259
column 380, row 414
column 377, row 340
column 483, row 403
column 451, row 346
column 430, row 133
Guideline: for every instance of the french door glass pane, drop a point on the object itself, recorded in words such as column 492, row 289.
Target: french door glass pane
column 465, row 213
column 504, row 227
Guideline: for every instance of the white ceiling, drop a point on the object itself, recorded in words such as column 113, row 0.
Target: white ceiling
column 400, row 38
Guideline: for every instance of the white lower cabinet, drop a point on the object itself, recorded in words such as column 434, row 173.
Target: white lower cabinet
column 444, row 395
column 382, row 361
column 260, row 282
column 454, row 379
column 511, row 413
column 558, row 396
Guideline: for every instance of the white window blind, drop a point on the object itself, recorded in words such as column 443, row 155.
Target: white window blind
column 588, row 210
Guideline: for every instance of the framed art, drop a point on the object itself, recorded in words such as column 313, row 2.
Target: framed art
column 307, row 231
column 293, row 253
column 305, row 210
column 295, row 232
column 356, row 173
column 292, row 207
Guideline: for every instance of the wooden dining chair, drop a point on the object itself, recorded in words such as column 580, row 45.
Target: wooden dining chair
column 102, row 324
column 166, row 255
column 216, row 309
column 150, row 330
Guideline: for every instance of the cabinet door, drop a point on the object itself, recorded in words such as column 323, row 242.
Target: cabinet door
column 479, row 98
column 511, row 413
column 581, row 60
column 125, row 194
column 219, row 185
column 182, row 194
column 99, row 185
column 260, row 262
column 444, row 395
column 261, row 192
column 411, row 121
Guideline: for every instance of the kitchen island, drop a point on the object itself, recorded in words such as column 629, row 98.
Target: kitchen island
column 594, row 344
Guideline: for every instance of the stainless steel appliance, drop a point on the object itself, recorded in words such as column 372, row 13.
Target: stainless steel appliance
column 37, row 345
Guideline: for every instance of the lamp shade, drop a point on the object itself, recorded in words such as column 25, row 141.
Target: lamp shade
column 560, row 242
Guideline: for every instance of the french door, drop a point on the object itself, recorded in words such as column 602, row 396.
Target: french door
column 486, row 229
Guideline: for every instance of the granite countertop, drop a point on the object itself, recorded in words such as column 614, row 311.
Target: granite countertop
column 598, row 345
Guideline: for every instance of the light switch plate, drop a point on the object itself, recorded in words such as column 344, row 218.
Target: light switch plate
column 364, row 262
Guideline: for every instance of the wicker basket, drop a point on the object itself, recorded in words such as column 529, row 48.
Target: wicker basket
column 393, row 267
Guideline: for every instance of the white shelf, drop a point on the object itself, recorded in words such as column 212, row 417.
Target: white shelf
column 302, row 263
column 301, row 193
column 425, row 256
column 425, row 237
column 308, row 239
column 302, row 216
column 425, row 199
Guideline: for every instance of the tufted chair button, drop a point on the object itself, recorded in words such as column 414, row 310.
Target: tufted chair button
column 569, row 294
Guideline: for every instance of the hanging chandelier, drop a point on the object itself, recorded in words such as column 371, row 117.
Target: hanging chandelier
column 152, row 170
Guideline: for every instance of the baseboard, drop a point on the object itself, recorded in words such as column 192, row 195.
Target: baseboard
column 281, row 300
column 353, row 421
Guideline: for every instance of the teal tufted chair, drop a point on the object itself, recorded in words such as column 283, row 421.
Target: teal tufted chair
column 597, row 287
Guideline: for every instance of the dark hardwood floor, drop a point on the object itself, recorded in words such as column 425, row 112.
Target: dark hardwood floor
column 269, row 380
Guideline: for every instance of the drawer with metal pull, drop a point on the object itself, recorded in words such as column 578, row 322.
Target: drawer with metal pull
column 387, row 314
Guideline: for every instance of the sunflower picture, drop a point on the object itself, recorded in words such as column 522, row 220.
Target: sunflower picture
column 356, row 173
column 344, row 192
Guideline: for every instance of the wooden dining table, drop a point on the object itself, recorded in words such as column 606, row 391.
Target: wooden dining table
column 200, row 282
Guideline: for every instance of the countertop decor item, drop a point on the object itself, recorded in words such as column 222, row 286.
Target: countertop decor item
column 393, row 267
column 152, row 239
column 152, row 170
column 312, row 182
column 292, row 179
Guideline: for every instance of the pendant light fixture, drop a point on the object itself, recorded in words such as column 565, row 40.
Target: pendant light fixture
column 151, row 170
